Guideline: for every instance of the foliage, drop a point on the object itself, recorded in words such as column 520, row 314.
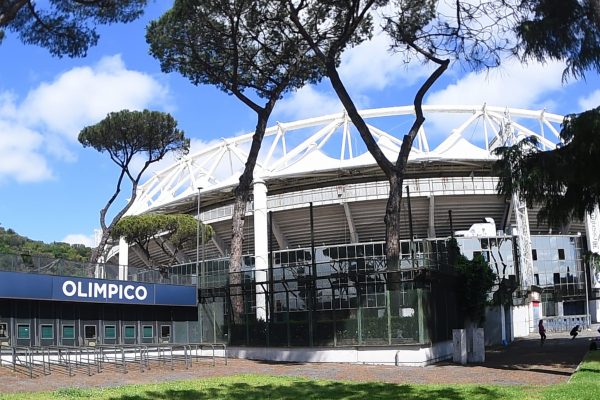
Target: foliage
column 562, row 30
column 475, row 281
column 563, row 181
column 235, row 46
column 242, row 48
column 13, row 243
column 64, row 27
column 125, row 135
column 430, row 31
column 177, row 229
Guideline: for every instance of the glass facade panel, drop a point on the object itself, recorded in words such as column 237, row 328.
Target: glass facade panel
column 345, row 294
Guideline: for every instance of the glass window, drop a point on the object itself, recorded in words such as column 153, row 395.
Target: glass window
column 110, row 332
column 534, row 254
column 129, row 331
column 47, row 331
column 23, row 331
column 165, row 331
column 561, row 254
column 68, row 332
column 3, row 330
column 147, row 331
column 556, row 278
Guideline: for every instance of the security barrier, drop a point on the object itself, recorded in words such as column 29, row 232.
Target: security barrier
column 36, row 360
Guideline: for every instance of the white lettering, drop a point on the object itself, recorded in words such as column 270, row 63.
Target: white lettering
column 141, row 293
column 112, row 290
column 104, row 290
column 127, row 292
column 69, row 288
column 100, row 290
column 80, row 293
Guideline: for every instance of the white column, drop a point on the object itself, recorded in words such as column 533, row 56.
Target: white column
column 261, row 246
column 123, row 259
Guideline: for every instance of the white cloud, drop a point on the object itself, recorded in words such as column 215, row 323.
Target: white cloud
column 513, row 84
column 44, row 126
column 371, row 66
column 307, row 102
column 78, row 238
column 85, row 95
column 590, row 101
column 20, row 157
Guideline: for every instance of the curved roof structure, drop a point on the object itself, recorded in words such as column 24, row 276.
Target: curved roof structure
column 312, row 152
column 323, row 161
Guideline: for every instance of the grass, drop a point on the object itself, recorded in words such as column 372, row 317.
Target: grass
column 584, row 385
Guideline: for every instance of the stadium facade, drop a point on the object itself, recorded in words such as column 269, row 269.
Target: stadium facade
column 314, row 285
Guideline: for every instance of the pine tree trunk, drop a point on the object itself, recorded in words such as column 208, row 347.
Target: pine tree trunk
column 235, row 259
column 392, row 230
column 242, row 194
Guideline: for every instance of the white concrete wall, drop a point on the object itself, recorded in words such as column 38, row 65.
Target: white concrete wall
column 390, row 356
column 521, row 320
column 595, row 311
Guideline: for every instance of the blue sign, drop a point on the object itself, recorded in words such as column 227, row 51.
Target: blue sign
column 64, row 288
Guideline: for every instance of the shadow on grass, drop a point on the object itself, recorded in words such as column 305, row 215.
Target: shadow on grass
column 326, row 390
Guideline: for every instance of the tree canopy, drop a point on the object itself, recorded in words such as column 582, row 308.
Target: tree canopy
column 125, row 135
column 562, row 180
column 64, row 27
column 566, row 30
column 178, row 230
column 428, row 31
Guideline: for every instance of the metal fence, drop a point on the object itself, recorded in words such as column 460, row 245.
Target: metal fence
column 37, row 361
column 566, row 323
column 33, row 264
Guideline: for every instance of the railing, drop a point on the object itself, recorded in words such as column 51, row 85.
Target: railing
column 35, row 360
column 565, row 323
column 32, row 264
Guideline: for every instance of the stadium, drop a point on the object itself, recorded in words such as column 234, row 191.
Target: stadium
column 314, row 282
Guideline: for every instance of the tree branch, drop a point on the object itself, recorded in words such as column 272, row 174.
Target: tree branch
column 9, row 15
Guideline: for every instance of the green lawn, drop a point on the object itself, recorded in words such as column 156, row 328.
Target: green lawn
column 584, row 385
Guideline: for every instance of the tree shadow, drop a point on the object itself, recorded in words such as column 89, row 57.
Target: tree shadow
column 323, row 390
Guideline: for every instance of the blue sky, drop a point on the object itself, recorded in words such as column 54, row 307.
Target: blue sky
column 52, row 189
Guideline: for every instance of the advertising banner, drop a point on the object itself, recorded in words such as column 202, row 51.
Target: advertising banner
column 65, row 288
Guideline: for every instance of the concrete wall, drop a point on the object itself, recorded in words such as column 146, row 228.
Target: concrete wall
column 595, row 311
column 413, row 356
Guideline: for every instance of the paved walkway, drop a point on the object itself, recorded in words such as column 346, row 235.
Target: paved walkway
column 522, row 362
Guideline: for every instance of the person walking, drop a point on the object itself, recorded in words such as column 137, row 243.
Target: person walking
column 542, row 331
